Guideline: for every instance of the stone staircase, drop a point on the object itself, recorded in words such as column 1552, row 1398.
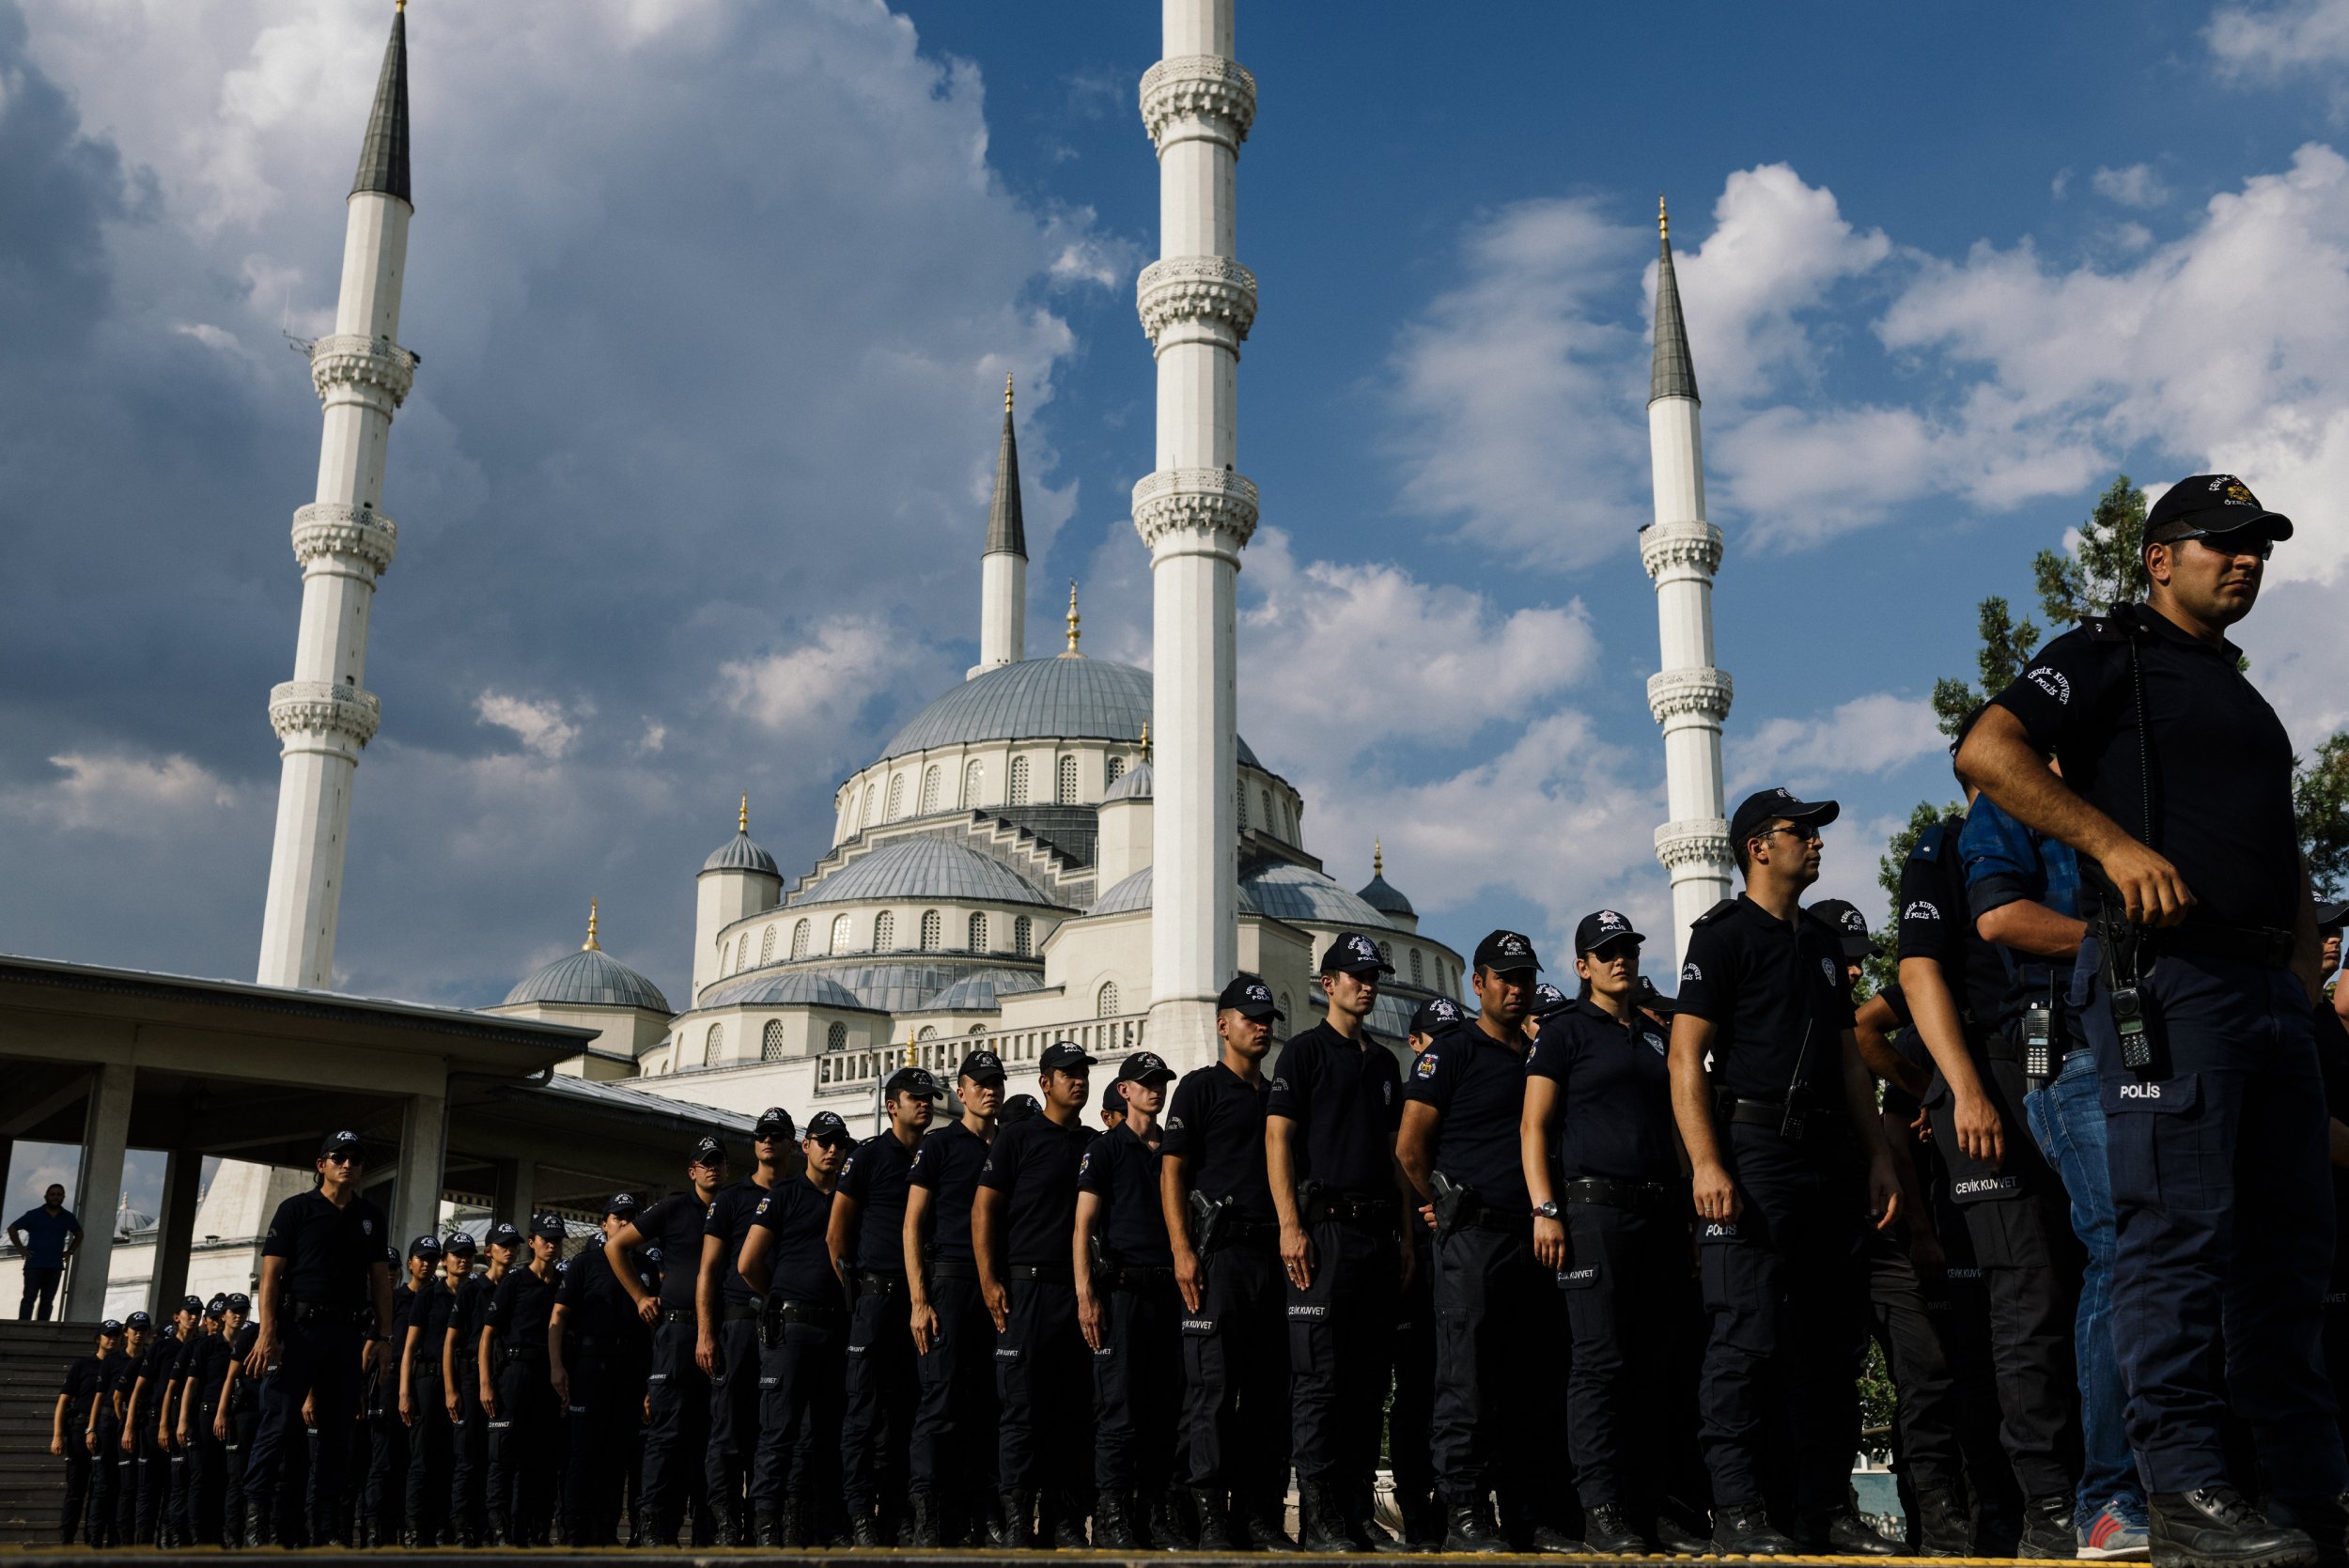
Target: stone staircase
column 33, row 1359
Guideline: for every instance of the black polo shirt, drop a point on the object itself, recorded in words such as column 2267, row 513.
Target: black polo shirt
column 470, row 1313
column 123, row 1378
column 595, row 1305
column 1216, row 1122
column 1763, row 984
column 329, row 1251
column 2222, row 760
column 1122, row 1169
column 1615, row 1085
column 210, row 1372
column 947, row 1166
column 875, row 1176
column 797, row 1211
column 438, row 1315
column 1033, row 1165
column 1476, row 1087
column 729, row 1221
column 520, row 1308
column 1345, row 1098
column 675, row 1225
column 82, row 1379
column 1937, row 922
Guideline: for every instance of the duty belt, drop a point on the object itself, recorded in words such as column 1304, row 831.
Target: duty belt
column 677, row 1315
column 1739, row 1110
column 2249, row 944
column 876, row 1283
column 954, row 1268
column 1624, row 1194
column 1054, row 1273
column 821, row 1313
column 741, row 1311
column 1351, row 1208
column 516, row 1352
column 1158, row 1277
column 1260, row 1233
column 327, row 1311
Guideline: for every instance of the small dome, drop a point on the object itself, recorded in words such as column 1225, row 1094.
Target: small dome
column 591, row 977
column 919, row 868
column 978, row 993
column 1287, row 892
column 1038, row 699
column 795, row 988
column 739, row 853
column 1382, row 896
column 1134, row 894
column 1134, row 786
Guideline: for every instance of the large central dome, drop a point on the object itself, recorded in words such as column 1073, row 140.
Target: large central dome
column 1041, row 699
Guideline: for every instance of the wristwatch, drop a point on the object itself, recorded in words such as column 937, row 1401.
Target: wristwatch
column 1547, row 1209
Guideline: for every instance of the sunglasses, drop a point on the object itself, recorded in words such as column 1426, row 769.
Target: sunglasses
column 344, row 1159
column 1807, row 834
column 2224, row 543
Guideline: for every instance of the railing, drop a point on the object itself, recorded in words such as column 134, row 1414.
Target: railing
column 849, row 1072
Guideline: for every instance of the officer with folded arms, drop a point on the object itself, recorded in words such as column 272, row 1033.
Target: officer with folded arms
column 1224, row 1235
column 727, row 1348
column 1775, row 1133
column 866, row 1241
column 952, row 1457
column 676, row 1428
column 1345, row 1243
column 2176, row 790
column 804, row 1337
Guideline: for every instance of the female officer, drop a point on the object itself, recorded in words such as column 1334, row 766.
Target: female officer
column 423, row 1403
column 1603, row 1166
column 517, row 1395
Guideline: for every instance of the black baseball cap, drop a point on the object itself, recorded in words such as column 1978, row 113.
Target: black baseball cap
column 460, row 1244
column 1767, row 805
column 1113, row 1097
column 191, row 1304
column 505, row 1234
column 774, row 1122
column 2331, row 917
column 2211, row 504
column 1506, row 953
column 239, row 1302
column 1840, row 916
column 112, row 1325
column 139, row 1320
column 1143, row 1067
column 339, row 1142
column 1062, row 1056
column 425, row 1247
column 1354, row 953
column 709, row 1150
column 623, row 1204
column 1597, row 929
column 826, row 1126
column 1547, row 998
column 918, row 1081
column 1018, row 1109
column 1249, row 995
column 547, row 1225
column 981, row 1066
column 216, row 1306
column 1435, row 1015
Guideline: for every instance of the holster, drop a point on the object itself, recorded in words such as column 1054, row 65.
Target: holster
column 1455, row 1206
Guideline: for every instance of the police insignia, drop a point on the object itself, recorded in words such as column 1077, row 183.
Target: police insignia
column 1690, row 971
column 1425, row 1065
column 1826, row 967
column 366, row 1227
column 1655, row 1043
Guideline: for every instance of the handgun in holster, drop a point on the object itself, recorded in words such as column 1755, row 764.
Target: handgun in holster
column 1794, row 1123
column 1207, row 1217
column 771, row 1322
column 848, row 1283
column 1100, row 1256
column 1454, row 1204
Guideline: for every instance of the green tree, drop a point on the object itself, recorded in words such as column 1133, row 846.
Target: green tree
column 2104, row 567
column 1882, row 970
column 2007, row 645
column 2319, row 803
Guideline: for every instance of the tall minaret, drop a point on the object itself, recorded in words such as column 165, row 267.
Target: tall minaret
column 344, row 541
column 1195, row 512
column 1003, row 569
column 1682, row 551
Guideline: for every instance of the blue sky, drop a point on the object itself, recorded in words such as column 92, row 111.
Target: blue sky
column 713, row 302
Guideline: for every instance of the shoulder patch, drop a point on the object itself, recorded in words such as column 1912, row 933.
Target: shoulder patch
column 1425, row 1065
column 1715, row 912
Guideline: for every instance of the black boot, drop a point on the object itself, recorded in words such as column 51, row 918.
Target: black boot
column 259, row 1528
column 1216, row 1534
column 2047, row 1528
column 1015, row 1521
column 1846, row 1534
column 1747, row 1532
column 2215, row 1528
column 1171, row 1526
column 1320, row 1526
column 864, row 1530
column 1113, row 1522
column 1468, row 1526
column 924, row 1506
column 1609, row 1533
column 1943, row 1528
column 1069, row 1521
column 1265, row 1529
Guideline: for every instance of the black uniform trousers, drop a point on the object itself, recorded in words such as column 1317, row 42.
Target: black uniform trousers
column 678, row 1434
column 523, row 1451
column 317, row 1360
column 1910, row 1322
column 1410, row 1414
column 429, row 1450
column 595, row 1453
column 208, row 1476
column 1236, row 1377
column 801, row 1378
column 178, row 1519
column 1778, row 1406
column 953, row 1453
column 77, row 1477
column 884, row 1387
column 1624, row 1267
column 1135, row 1403
column 469, row 1452
column 151, row 1473
column 244, row 1422
column 384, row 1504
column 1341, row 1348
column 733, row 1413
column 1040, row 1386
column 1494, row 1299
column 106, row 1476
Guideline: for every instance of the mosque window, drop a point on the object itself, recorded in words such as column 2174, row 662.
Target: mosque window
column 1272, row 823
column 978, row 1028
column 884, row 931
column 1019, row 781
column 931, row 783
column 1418, row 969
column 869, row 795
column 1064, row 782
column 771, row 1041
column 713, row 1044
column 927, row 1031
column 1117, row 769
column 969, row 786
column 767, row 947
column 798, row 940
column 897, row 796
column 1287, row 1006
column 837, row 1037
column 1023, row 937
column 1105, row 1000
column 1386, row 953
column 1243, row 808
column 743, row 953
column 978, row 933
column 933, row 931
column 839, row 934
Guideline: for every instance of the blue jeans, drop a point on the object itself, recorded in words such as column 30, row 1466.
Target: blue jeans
column 2067, row 1118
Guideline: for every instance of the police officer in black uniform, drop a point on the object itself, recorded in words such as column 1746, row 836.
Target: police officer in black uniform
column 1602, row 1166
column 69, row 1438
column 1459, row 1145
column 385, row 1506
column 1775, row 1133
column 2176, row 791
column 199, row 1404
column 1410, row 1418
column 1022, row 1218
column 174, row 1522
column 866, row 1240
column 1329, row 1162
column 1127, row 1312
column 111, row 1483
column 591, row 1314
column 238, row 1416
column 728, row 1347
column 676, row 1429
column 1226, row 1237
column 952, row 1457
column 324, row 1308
column 517, row 1393
column 463, row 1367
column 803, row 1340
column 427, row 1404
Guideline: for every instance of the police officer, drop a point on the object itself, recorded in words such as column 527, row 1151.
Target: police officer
column 113, row 1491
column 2176, row 790
column 803, row 1338
column 427, row 1406
column 1022, row 1218
column 866, row 1240
column 1775, row 1133
column 517, row 1393
column 380, row 1517
column 1113, row 1105
column 1459, row 1147
column 199, row 1403
column 237, row 1416
column 952, row 1457
column 173, row 1521
column 68, row 1434
column 1225, row 1234
column 584, row 1363
column 1129, row 1312
column 1411, row 1417
column 324, row 1308
column 1602, row 1166
column 1345, row 1243
column 465, row 1369
column 677, row 1391
column 726, row 1347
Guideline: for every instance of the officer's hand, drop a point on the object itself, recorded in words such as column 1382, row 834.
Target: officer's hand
column 1550, row 1242
column 407, row 1409
column 256, row 1361
column 1410, row 1268
column 1089, row 1318
column 1187, row 1275
column 128, row 1445
column 706, row 1353
column 1717, row 1197
column 2152, row 891
column 923, row 1319
column 1428, row 1213
column 1979, row 1133
column 1884, row 1190
column 1296, row 1256
column 489, row 1401
column 561, row 1378
column 649, row 1310
column 56, row 1445
column 1922, row 1125
column 220, row 1426
column 646, row 1418
column 998, row 1304
column 455, row 1407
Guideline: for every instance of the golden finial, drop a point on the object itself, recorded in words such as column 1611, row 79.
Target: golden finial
column 1073, row 632
column 591, row 945
column 742, row 820
column 913, row 1054
column 1378, row 859
column 1663, row 220
column 1146, row 740
column 1008, row 392
column 400, row 4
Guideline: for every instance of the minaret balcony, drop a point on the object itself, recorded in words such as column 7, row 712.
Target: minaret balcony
column 1702, row 842
column 1213, row 500
column 354, row 359
column 335, row 528
column 1209, row 288
column 1680, row 548
column 1701, row 692
column 1218, row 93
column 323, row 707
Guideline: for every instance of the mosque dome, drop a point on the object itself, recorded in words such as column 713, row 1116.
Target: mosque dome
column 978, row 993
column 740, row 853
column 793, row 988
column 1133, row 785
column 923, row 868
column 1038, row 699
column 1134, row 894
column 1295, row 893
column 589, row 977
column 1383, row 896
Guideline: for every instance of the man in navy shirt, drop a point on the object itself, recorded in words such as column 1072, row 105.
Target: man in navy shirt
column 803, row 1331
column 951, row 1455
column 728, row 1347
column 46, row 1237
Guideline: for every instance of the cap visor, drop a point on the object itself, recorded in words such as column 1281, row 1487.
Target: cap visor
column 1259, row 1011
column 2274, row 524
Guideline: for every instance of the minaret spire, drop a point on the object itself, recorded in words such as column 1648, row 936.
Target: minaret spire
column 1004, row 567
column 1681, row 551
column 324, row 715
column 1073, row 633
column 591, row 945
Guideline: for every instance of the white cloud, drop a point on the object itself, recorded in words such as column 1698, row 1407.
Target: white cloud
column 814, row 690
column 1871, row 735
column 540, row 726
column 124, row 794
column 2276, row 40
column 2135, row 186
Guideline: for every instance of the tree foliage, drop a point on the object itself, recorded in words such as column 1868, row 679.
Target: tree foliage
column 2104, row 567
column 1882, row 970
column 2319, row 803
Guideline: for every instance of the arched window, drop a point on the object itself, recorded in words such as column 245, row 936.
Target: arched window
column 933, row 931
column 839, row 934
column 798, row 940
column 927, row 1031
column 837, row 1037
column 978, row 1028
column 743, row 953
column 1242, row 792
column 1105, row 1000
column 767, row 947
column 1418, row 969
column 1286, row 1005
column 1064, row 782
column 713, row 1044
column 869, row 796
column 771, row 1041
column 1117, row 769
column 1019, row 780
column 970, row 786
column 1386, row 953
column 978, row 933
column 884, row 931
column 897, row 796
column 1272, row 823
column 931, row 783
column 1023, row 937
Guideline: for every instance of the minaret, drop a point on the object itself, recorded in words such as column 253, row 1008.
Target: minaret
column 1681, row 551
column 1003, row 569
column 1195, row 512
column 344, row 541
